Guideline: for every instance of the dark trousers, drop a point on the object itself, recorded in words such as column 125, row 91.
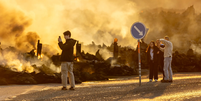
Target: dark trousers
column 161, row 69
column 163, row 75
column 153, row 70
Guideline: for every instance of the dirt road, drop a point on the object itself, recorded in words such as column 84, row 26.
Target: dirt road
column 186, row 86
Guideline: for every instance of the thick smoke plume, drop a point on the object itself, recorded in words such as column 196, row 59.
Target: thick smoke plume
column 88, row 20
column 12, row 29
column 22, row 23
column 183, row 27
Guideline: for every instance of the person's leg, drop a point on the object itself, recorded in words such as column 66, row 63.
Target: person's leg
column 170, row 68
column 64, row 74
column 163, row 73
column 156, row 71
column 151, row 71
column 163, row 69
column 166, row 64
column 71, row 75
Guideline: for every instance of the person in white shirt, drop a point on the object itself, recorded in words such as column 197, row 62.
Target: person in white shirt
column 168, row 49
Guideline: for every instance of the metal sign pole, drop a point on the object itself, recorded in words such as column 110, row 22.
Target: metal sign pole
column 139, row 61
column 138, row 31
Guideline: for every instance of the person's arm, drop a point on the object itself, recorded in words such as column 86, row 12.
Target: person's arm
column 67, row 45
column 165, row 42
column 162, row 49
column 157, row 50
column 61, row 45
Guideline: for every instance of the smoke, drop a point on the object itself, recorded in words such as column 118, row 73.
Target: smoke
column 181, row 26
column 12, row 58
column 30, row 39
column 105, row 53
column 100, row 21
column 88, row 20
column 12, row 29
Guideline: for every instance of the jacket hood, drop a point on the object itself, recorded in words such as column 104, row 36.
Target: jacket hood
column 72, row 41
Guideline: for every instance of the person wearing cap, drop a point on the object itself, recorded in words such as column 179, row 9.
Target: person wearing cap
column 67, row 60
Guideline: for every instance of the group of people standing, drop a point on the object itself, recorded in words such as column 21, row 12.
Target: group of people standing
column 159, row 54
column 156, row 53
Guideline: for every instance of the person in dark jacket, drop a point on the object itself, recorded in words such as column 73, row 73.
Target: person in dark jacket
column 160, row 57
column 67, row 60
column 152, row 61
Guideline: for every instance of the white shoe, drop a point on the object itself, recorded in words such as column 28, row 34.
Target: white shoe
column 156, row 80
column 150, row 80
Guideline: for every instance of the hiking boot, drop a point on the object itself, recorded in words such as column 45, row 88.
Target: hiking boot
column 64, row 88
column 71, row 88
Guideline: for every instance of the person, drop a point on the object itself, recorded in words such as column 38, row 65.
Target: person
column 160, row 57
column 168, row 49
column 67, row 60
column 152, row 61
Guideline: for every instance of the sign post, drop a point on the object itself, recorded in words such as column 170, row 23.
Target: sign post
column 138, row 31
column 139, row 62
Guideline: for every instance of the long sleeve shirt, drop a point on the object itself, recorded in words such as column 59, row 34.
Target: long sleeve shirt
column 168, row 49
column 67, row 50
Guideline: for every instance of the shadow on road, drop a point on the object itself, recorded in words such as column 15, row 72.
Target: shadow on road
column 148, row 90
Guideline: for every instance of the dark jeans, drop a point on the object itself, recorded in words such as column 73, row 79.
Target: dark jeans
column 163, row 75
column 161, row 69
column 153, row 70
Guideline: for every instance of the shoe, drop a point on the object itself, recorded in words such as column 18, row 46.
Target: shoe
column 150, row 80
column 64, row 88
column 170, row 81
column 71, row 88
column 164, row 81
column 156, row 80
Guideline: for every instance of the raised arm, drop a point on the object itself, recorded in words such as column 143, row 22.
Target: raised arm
column 162, row 49
column 167, row 43
column 67, row 45
column 164, row 41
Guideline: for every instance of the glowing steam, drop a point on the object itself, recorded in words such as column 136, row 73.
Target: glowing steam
column 100, row 21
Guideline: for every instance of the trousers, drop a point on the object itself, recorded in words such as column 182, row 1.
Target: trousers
column 167, row 68
column 153, row 70
column 67, row 71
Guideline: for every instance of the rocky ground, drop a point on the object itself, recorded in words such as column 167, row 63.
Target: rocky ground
column 186, row 86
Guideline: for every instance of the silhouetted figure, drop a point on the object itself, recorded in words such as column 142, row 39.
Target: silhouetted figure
column 115, row 53
column 39, row 48
column 78, row 48
column 161, row 60
column 160, row 57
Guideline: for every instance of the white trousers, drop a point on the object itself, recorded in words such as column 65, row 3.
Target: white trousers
column 167, row 68
column 67, row 71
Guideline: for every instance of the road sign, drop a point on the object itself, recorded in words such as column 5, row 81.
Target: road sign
column 138, row 30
